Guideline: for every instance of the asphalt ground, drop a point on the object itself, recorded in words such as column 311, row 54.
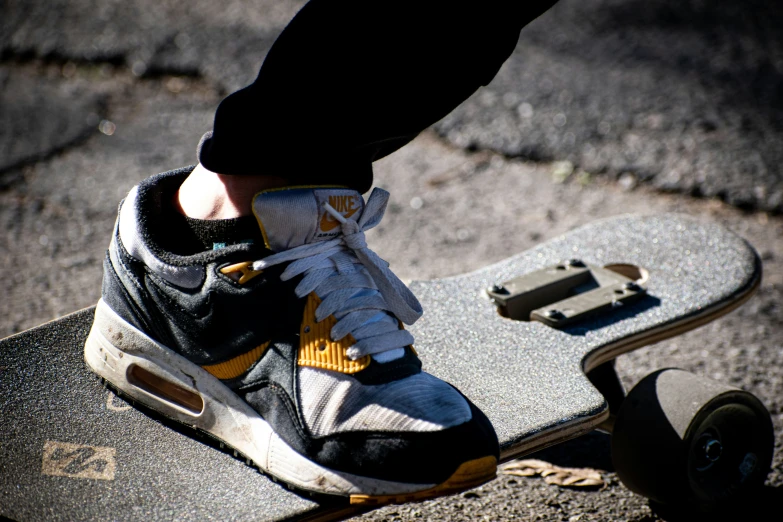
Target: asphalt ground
column 98, row 95
column 686, row 96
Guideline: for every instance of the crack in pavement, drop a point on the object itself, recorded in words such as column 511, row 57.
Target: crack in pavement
column 54, row 105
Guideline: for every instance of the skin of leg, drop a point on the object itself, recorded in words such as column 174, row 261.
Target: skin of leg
column 209, row 195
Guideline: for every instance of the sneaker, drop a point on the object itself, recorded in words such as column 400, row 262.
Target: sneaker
column 291, row 352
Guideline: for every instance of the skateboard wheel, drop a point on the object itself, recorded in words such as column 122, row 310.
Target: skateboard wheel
column 686, row 441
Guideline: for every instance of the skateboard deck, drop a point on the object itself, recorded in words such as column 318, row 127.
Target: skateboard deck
column 70, row 449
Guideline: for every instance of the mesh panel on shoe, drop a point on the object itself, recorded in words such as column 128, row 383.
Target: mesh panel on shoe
column 333, row 403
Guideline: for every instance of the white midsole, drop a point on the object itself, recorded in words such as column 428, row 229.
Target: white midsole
column 114, row 347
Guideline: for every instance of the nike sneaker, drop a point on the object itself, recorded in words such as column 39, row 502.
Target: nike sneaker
column 289, row 348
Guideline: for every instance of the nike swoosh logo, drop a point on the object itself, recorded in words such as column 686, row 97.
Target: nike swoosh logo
column 328, row 222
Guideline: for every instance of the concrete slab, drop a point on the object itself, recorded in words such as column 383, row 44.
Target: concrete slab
column 40, row 117
column 685, row 96
column 225, row 41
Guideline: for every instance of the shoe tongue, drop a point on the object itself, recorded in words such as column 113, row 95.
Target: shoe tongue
column 292, row 217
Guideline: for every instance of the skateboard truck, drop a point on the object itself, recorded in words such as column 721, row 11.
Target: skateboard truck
column 562, row 294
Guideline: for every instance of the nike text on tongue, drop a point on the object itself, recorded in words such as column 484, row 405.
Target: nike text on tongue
column 342, row 207
column 295, row 216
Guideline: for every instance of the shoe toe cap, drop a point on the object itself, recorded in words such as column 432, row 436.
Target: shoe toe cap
column 424, row 457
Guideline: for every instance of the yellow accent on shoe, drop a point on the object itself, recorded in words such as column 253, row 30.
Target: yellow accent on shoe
column 243, row 268
column 469, row 475
column 316, row 348
column 238, row 365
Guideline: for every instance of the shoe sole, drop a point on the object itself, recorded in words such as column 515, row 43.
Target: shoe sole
column 158, row 378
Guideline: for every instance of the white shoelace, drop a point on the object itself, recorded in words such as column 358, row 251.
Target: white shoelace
column 354, row 284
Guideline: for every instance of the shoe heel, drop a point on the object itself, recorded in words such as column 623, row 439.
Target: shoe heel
column 157, row 387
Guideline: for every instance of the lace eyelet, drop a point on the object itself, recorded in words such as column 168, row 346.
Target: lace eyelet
column 322, row 347
column 306, row 329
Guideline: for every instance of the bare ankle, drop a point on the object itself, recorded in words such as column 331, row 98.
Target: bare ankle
column 208, row 195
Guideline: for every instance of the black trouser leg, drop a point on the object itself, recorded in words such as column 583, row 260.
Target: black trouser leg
column 349, row 81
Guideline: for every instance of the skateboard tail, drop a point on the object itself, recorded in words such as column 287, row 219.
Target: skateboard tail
column 160, row 379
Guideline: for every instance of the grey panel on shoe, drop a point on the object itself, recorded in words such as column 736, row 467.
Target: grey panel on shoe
column 132, row 240
column 334, row 403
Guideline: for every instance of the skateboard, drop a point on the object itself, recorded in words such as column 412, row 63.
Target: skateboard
column 531, row 340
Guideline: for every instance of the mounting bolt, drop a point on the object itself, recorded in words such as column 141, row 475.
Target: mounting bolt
column 554, row 314
column 713, row 449
column 575, row 262
column 497, row 289
column 633, row 287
